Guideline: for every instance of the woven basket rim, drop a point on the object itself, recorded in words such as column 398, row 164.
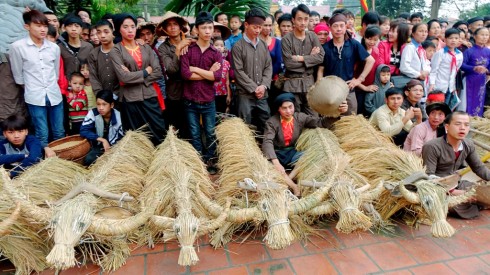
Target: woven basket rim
column 67, row 139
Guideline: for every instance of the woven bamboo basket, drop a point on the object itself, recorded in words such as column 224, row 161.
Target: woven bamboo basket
column 71, row 147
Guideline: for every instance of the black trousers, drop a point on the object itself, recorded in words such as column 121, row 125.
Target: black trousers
column 137, row 114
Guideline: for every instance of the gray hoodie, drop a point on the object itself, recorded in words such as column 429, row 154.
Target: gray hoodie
column 377, row 99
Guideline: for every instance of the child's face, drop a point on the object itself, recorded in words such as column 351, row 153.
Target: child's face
column 216, row 32
column 223, row 19
column 84, row 71
column 16, row 137
column 371, row 41
column 73, row 30
column 385, row 28
column 384, row 77
column 103, row 107
column 350, row 22
column 93, row 37
column 452, row 41
column 76, row 84
column 220, row 45
column 235, row 24
column 430, row 52
column 105, row 35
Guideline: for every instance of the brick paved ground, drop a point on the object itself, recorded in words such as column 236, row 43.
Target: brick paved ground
column 407, row 251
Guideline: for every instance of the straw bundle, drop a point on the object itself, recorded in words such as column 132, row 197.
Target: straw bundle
column 176, row 173
column 482, row 133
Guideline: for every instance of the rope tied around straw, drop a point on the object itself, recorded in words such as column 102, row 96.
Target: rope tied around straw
column 123, row 195
column 278, row 222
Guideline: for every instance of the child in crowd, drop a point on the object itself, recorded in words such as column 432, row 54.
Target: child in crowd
column 18, row 150
column 102, row 126
column 222, row 87
column 85, row 71
column 236, row 33
column 62, row 81
column 94, row 39
column 445, row 65
column 73, row 49
column 376, row 99
column 384, row 26
column 430, row 48
column 77, row 101
column 351, row 20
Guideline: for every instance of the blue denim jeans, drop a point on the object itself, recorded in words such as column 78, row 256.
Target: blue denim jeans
column 207, row 111
column 41, row 115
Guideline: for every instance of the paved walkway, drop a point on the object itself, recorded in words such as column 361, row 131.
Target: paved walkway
column 407, row 251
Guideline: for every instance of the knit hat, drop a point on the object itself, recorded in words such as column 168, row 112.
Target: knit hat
column 118, row 20
column 72, row 19
column 438, row 106
column 160, row 31
column 327, row 94
column 474, row 19
column 204, row 17
column 322, row 27
column 284, row 97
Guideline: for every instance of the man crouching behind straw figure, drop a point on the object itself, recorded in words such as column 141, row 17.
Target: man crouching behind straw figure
column 444, row 155
column 282, row 131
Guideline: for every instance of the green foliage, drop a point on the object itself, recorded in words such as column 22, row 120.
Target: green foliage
column 479, row 10
column 193, row 7
column 392, row 8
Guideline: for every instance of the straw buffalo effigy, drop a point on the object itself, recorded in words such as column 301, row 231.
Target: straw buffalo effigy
column 324, row 162
column 259, row 193
column 174, row 175
column 26, row 243
column 377, row 158
column 78, row 219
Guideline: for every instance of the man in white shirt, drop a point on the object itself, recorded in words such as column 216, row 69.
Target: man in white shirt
column 35, row 63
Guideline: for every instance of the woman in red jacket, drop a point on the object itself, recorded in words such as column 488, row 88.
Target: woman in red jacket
column 390, row 51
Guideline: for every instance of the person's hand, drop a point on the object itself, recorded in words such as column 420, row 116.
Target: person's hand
column 106, row 145
column 228, row 100
column 125, row 69
column 140, row 42
column 260, row 91
column 353, row 83
column 70, row 95
column 183, row 46
column 279, row 167
column 49, row 153
column 423, row 75
column 410, row 113
column 149, row 69
column 480, row 69
column 371, row 88
column 315, row 50
column 216, row 66
column 343, row 107
column 417, row 113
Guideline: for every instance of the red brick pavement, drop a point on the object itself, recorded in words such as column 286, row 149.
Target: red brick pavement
column 406, row 251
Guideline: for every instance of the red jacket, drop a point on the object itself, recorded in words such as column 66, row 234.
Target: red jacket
column 385, row 56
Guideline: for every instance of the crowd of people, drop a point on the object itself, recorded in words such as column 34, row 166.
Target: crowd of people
column 412, row 80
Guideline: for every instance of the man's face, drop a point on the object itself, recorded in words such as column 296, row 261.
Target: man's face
column 16, row 137
column 146, row 35
column 416, row 20
column 285, row 27
column 36, row 30
column 85, row 35
column 384, row 77
column 435, row 118
column 394, row 102
column 314, row 20
column 322, row 36
column 223, row 19
column 286, row 110
column 140, row 20
column 338, row 29
column 301, row 20
column 205, row 31
column 105, row 35
column 73, row 30
column 53, row 20
column 475, row 25
column 459, row 127
column 252, row 30
column 172, row 28
column 415, row 93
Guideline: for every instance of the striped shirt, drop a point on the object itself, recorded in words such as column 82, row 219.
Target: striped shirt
column 78, row 107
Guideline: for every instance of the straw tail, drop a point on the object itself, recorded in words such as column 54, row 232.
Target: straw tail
column 28, row 209
column 86, row 187
column 275, row 208
column 347, row 202
column 210, row 226
column 455, row 200
column 305, row 204
column 8, row 222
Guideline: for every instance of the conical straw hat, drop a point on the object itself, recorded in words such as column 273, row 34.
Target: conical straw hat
column 327, row 94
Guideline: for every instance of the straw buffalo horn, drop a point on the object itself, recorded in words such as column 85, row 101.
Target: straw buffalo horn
column 8, row 222
column 411, row 197
column 306, row 203
column 235, row 216
column 455, row 200
column 85, row 187
column 30, row 209
column 212, row 225
column 162, row 222
column 112, row 227
column 326, row 208
column 373, row 194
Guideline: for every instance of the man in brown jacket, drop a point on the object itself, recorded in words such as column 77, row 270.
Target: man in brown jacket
column 73, row 49
column 444, row 155
column 12, row 96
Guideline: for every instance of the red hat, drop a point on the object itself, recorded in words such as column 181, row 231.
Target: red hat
column 321, row 27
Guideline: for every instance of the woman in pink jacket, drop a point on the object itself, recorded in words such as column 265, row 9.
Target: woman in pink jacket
column 390, row 51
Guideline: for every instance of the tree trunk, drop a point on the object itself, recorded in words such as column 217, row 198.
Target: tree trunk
column 434, row 9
